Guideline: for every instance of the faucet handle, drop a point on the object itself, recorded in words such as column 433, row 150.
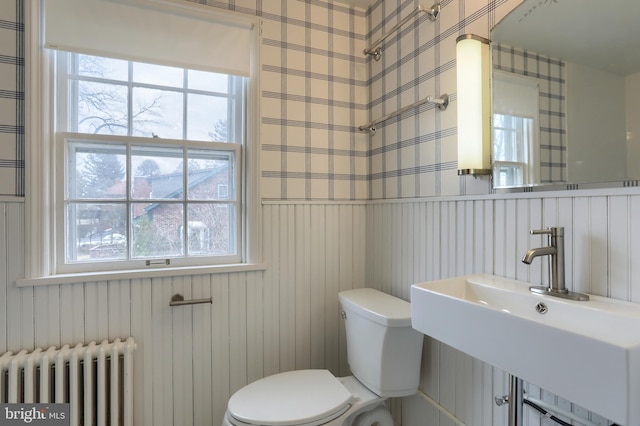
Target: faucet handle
column 554, row 231
column 540, row 231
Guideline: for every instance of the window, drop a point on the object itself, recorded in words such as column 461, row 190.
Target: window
column 515, row 130
column 146, row 149
column 512, row 140
column 149, row 159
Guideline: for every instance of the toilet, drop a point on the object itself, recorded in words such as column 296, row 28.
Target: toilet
column 383, row 352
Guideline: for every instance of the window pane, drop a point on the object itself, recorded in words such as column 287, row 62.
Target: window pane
column 509, row 175
column 156, row 230
column 101, row 109
column 158, row 75
column 96, row 170
column 157, row 113
column 96, row 231
column 512, row 138
column 208, row 81
column 210, row 175
column 207, row 118
column 95, row 66
column 211, row 229
column 158, row 172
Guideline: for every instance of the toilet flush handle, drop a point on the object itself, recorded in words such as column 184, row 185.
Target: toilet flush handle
column 343, row 314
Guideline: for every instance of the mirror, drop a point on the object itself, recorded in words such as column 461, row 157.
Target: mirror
column 566, row 94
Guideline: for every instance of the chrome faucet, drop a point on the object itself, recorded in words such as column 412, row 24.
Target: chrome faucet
column 555, row 251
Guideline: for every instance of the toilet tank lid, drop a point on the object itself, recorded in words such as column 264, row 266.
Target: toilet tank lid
column 377, row 306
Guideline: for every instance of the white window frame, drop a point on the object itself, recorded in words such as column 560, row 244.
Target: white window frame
column 41, row 219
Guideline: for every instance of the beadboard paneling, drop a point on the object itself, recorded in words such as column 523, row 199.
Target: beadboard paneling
column 189, row 360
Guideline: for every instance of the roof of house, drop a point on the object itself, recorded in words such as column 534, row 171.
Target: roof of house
column 163, row 186
column 171, row 186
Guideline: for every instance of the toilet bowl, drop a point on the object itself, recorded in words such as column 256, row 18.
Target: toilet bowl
column 384, row 356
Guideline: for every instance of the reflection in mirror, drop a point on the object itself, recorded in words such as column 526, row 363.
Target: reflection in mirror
column 566, row 94
column 516, row 140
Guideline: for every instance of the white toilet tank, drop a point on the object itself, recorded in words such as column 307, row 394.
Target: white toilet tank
column 383, row 350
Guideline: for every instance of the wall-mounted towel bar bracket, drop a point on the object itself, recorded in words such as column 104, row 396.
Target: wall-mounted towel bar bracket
column 178, row 300
column 376, row 51
column 441, row 103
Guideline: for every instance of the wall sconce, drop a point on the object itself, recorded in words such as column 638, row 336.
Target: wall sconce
column 474, row 105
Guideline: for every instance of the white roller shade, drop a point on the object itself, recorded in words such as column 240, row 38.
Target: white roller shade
column 161, row 35
column 515, row 95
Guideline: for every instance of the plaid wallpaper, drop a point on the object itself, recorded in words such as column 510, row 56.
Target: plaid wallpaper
column 317, row 87
column 313, row 90
column 550, row 75
column 11, row 98
column 415, row 155
column 313, row 85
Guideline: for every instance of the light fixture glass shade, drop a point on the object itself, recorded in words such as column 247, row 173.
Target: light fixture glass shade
column 474, row 105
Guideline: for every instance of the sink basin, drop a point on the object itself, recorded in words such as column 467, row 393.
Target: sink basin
column 586, row 352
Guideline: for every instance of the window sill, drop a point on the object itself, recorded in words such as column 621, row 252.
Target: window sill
column 137, row 274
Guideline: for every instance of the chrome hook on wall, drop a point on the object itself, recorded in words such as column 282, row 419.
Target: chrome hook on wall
column 376, row 53
column 370, row 129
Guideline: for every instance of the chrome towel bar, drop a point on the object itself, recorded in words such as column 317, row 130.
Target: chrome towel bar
column 375, row 48
column 442, row 103
column 178, row 300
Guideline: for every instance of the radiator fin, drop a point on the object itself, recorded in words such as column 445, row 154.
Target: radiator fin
column 95, row 379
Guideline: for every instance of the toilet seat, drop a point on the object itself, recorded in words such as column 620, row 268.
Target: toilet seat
column 304, row 397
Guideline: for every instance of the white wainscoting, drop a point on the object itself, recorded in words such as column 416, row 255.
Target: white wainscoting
column 421, row 240
column 190, row 359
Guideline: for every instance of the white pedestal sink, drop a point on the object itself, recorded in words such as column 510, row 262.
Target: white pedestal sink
column 587, row 352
